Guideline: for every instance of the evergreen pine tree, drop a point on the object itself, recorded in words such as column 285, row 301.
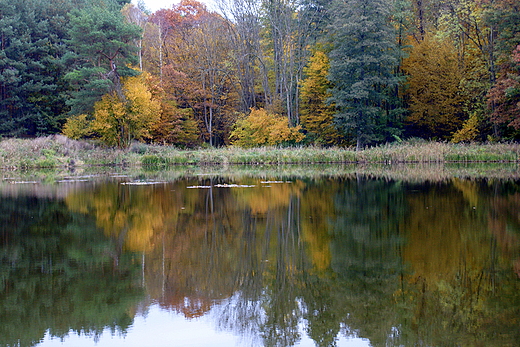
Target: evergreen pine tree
column 362, row 68
column 103, row 52
column 31, row 47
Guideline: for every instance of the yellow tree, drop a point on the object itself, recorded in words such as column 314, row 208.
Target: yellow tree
column 118, row 122
column 469, row 130
column 463, row 21
column 316, row 115
column 78, row 127
column 434, row 88
column 264, row 128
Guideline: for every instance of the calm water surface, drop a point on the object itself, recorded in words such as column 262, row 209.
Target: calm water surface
column 349, row 260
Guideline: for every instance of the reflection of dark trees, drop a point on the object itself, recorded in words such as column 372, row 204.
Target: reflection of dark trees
column 365, row 256
column 56, row 274
column 503, row 306
column 504, row 223
column 283, row 286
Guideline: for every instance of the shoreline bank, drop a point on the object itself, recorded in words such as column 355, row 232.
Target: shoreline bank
column 60, row 152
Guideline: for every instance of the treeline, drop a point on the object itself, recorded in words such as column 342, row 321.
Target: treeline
column 341, row 72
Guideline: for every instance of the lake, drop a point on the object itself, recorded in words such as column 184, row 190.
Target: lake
column 317, row 256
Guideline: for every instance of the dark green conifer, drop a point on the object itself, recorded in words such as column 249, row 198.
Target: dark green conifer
column 363, row 66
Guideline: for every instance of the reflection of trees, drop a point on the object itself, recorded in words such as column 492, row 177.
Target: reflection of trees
column 460, row 276
column 394, row 262
column 283, row 280
column 365, row 256
column 56, row 274
column 193, row 256
column 130, row 215
column 503, row 306
column 226, row 246
column 271, row 262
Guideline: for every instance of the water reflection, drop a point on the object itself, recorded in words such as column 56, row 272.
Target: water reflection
column 275, row 261
column 57, row 274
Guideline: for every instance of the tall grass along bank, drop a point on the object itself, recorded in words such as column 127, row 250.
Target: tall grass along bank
column 59, row 151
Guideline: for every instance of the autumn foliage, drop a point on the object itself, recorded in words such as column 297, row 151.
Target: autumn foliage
column 264, row 128
column 120, row 121
column 504, row 96
column 341, row 73
column 316, row 113
column 433, row 90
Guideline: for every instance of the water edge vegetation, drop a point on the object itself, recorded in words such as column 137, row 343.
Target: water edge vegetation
column 57, row 151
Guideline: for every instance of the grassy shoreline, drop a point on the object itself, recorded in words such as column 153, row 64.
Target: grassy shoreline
column 60, row 152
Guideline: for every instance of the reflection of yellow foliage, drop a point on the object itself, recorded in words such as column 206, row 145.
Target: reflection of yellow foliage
column 130, row 215
column 438, row 246
column 268, row 196
column 469, row 190
column 275, row 196
column 319, row 208
column 318, row 241
column 237, row 231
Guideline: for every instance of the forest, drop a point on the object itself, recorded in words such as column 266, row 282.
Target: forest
column 261, row 72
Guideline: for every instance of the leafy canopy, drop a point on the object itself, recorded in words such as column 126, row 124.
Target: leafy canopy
column 263, row 128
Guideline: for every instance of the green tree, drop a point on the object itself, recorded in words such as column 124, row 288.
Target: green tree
column 103, row 45
column 363, row 63
column 504, row 17
column 289, row 26
column 504, row 96
column 31, row 47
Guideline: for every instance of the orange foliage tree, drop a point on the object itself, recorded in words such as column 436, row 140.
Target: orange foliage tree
column 174, row 125
column 195, row 66
column 504, row 96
